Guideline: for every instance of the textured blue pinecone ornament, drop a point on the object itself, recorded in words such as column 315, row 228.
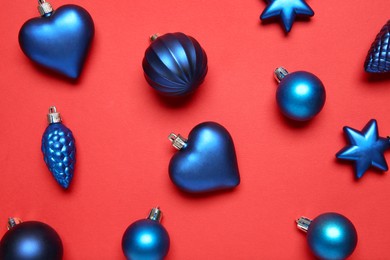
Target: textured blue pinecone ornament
column 175, row 64
column 378, row 57
column 58, row 148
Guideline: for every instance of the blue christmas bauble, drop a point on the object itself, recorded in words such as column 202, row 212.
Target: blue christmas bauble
column 205, row 162
column 146, row 239
column 59, row 150
column 175, row 64
column 58, row 40
column 378, row 57
column 332, row 236
column 31, row 240
column 300, row 95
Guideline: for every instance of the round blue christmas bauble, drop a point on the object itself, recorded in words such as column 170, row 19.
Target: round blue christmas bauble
column 59, row 40
column 31, row 240
column 330, row 236
column 174, row 64
column 146, row 239
column 300, row 95
column 59, row 150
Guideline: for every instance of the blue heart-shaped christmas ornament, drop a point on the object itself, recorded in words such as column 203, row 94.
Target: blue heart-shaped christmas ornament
column 206, row 161
column 175, row 64
column 58, row 40
column 378, row 57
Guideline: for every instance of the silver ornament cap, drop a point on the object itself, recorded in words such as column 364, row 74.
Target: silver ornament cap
column 280, row 73
column 44, row 7
column 53, row 116
column 303, row 223
column 154, row 37
column 13, row 222
column 155, row 214
column 178, row 141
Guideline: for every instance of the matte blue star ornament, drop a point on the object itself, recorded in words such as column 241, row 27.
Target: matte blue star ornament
column 286, row 10
column 366, row 148
column 59, row 150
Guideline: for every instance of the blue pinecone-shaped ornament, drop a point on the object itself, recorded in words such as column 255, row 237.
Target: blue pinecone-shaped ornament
column 378, row 57
column 58, row 148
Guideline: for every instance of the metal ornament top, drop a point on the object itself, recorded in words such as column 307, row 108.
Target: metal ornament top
column 53, row 116
column 44, row 7
column 155, row 214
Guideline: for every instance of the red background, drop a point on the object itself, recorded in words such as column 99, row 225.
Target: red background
column 121, row 128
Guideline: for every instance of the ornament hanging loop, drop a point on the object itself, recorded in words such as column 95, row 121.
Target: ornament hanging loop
column 303, row 223
column 53, row 116
column 44, row 8
column 155, row 214
column 12, row 222
column 178, row 141
column 280, row 73
column 154, row 37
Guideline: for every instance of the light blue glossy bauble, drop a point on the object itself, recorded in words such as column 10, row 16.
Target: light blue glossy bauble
column 145, row 239
column 332, row 236
column 300, row 95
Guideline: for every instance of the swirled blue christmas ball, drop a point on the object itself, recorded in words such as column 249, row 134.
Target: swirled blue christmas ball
column 175, row 64
column 300, row 95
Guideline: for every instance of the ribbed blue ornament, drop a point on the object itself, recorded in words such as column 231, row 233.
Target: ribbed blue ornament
column 332, row 236
column 378, row 57
column 59, row 40
column 206, row 162
column 59, row 152
column 175, row 64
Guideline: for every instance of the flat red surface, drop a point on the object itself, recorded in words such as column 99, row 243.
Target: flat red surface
column 121, row 128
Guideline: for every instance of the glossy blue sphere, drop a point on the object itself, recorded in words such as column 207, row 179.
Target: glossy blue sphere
column 175, row 64
column 60, row 40
column 145, row 239
column 208, row 161
column 332, row 236
column 300, row 95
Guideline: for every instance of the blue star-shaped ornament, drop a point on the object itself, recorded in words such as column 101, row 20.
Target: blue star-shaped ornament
column 287, row 10
column 366, row 148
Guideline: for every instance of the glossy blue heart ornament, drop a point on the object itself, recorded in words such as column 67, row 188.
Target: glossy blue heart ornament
column 58, row 40
column 205, row 162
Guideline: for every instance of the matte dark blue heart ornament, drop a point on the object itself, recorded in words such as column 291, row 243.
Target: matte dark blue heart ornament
column 58, row 40
column 378, row 57
column 205, row 162
column 174, row 64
